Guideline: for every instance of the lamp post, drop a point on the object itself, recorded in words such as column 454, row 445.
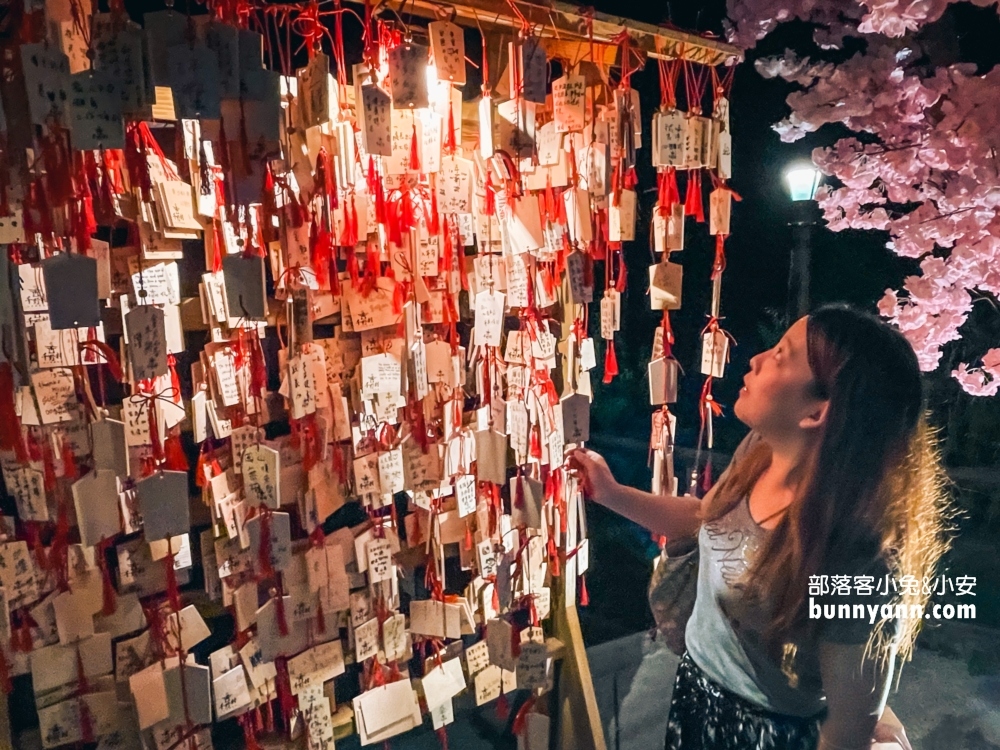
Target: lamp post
column 803, row 180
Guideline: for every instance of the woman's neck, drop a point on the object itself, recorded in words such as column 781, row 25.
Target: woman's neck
column 788, row 458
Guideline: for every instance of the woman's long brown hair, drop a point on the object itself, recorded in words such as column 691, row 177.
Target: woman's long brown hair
column 873, row 492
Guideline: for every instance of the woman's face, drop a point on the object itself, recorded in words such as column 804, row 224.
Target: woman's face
column 777, row 398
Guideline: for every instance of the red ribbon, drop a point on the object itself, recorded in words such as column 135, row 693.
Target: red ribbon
column 320, row 252
column 108, row 588
column 610, row 362
column 693, row 202
column 148, row 402
column 11, row 436
column 414, row 150
column 668, row 194
column 249, row 731
column 349, row 237
column 264, row 548
column 519, row 720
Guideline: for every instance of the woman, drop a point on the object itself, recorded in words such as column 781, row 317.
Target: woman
column 838, row 477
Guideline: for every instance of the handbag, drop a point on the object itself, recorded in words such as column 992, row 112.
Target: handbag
column 672, row 590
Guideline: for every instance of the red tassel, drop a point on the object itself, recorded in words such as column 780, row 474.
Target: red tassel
column 86, row 722
column 503, row 707
column 584, row 596
column 320, row 620
column 720, row 256
column 414, row 150
column 48, row 465
column 535, row 443
column 673, row 192
column 693, row 199
column 258, row 369
column 352, row 267
column 269, row 206
column 81, row 674
column 174, row 457
column 249, row 732
column 449, row 139
column 11, row 437
column 400, row 294
column 84, row 223
column 24, row 642
column 517, row 727
column 108, row 588
column 610, row 362
column 375, row 190
column 319, row 252
column 490, row 205
column 349, row 237
column 310, row 452
column 56, row 157
column 433, row 222
column 200, row 480
column 136, row 163
column 279, row 606
column 468, row 536
column 107, row 190
column 70, row 471
column 549, row 202
column 324, row 176
column 442, row 735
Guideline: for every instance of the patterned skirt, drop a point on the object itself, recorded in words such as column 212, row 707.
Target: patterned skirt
column 706, row 716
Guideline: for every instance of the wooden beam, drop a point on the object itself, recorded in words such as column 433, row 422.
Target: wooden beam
column 562, row 21
column 578, row 723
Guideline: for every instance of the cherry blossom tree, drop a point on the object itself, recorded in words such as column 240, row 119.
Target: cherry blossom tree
column 922, row 162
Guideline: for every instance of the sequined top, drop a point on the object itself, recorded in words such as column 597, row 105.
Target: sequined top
column 723, row 635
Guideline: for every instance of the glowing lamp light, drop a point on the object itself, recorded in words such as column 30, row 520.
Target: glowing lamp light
column 803, row 180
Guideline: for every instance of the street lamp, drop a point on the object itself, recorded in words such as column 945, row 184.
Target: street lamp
column 803, row 181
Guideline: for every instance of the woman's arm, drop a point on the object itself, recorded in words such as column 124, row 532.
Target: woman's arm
column 856, row 690
column 674, row 517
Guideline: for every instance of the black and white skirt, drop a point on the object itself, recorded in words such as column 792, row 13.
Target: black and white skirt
column 706, row 716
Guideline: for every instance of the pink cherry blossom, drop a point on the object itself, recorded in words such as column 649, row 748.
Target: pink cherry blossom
column 922, row 166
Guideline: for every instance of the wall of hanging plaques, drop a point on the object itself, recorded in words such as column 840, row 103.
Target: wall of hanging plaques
column 284, row 345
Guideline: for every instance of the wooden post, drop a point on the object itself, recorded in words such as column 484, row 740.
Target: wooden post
column 6, row 742
column 578, row 725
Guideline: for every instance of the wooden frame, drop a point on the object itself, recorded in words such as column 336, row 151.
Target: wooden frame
column 566, row 24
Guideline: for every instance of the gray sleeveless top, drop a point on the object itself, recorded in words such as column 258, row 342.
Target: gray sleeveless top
column 723, row 636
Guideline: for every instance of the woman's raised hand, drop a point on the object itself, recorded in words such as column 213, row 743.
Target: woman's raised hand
column 598, row 483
